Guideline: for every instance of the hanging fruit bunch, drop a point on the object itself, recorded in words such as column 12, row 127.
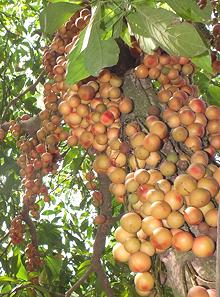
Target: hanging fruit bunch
column 39, row 152
column 172, row 186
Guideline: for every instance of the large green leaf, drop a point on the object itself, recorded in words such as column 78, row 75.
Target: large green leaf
column 76, row 69
column 189, row 10
column 54, row 264
column 56, row 14
column 99, row 53
column 91, row 53
column 166, row 29
column 106, row 51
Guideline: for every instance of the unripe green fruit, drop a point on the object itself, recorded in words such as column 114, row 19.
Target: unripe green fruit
column 173, row 157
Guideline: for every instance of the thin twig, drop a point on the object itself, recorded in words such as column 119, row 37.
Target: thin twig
column 28, row 89
column 5, row 250
column 79, row 282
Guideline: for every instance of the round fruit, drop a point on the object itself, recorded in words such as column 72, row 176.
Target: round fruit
column 210, row 184
column 160, row 209
column 161, row 238
column 139, row 262
column 159, row 128
column 132, row 245
column 167, row 168
column 117, row 176
column 119, row 253
column 121, row 235
column 203, row 246
column 193, row 216
column 211, row 217
column 149, row 224
column 141, row 176
column 154, row 195
column 182, row 241
column 174, row 199
column 179, row 134
column 197, row 291
column 175, row 220
column 147, row 248
column 199, row 197
column 144, row 281
column 152, row 142
column 131, row 222
column 196, row 170
column 212, row 292
column 185, row 184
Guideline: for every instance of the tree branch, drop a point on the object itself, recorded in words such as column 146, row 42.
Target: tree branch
column 99, row 243
column 104, row 280
column 102, row 232
column 26, row 218
column 29, row 127
column 79, row 282
column 28, row 89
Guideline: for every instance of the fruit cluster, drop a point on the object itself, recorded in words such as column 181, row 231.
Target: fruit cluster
column 34, row 260
column 64, row 40
column 161, row 207
column 40, row 153
column 171, row 181
column 16, row 230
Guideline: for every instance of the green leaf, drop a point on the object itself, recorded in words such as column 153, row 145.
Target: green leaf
column 99, row 53
column 91, row 53
column 70, row 1
column 55, row 15
column 189, row 10
column 214, row 92
column 117, row 28
column 54, row 265
column 203, row 62
column 165, row 28
column 69, row 157
column 126, row 36
column 106, row 51
column 76, row 69
column 42, row 290
column 8, row 279
column 76, row 164
column 50, row 234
